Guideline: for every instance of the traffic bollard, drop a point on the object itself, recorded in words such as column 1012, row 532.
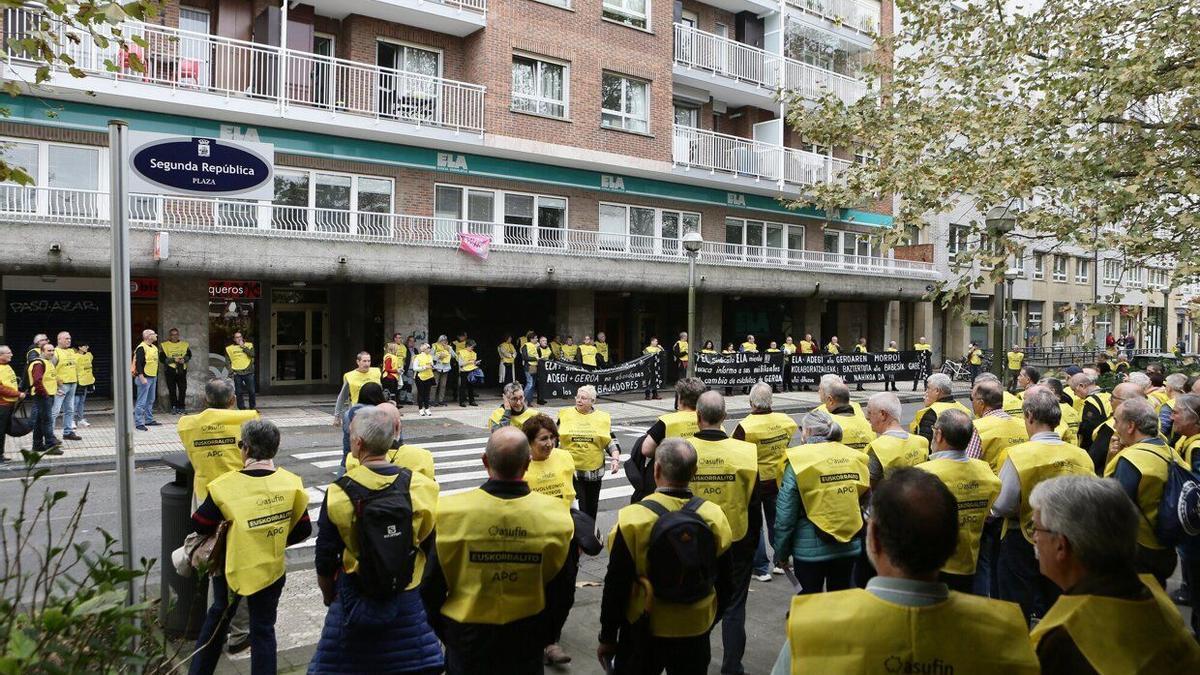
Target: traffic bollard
column 183, row 600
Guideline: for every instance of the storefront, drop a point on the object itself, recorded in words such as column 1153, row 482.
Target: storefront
column 232, row 308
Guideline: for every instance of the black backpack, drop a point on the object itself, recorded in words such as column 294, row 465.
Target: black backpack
column 386, row 555
column 681, row 560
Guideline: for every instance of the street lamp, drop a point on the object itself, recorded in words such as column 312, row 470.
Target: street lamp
column 1000, row 220
column 1010, row 276
column 692, row 242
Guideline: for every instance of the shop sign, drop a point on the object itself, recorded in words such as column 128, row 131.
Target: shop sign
column 143, row 288
column 224, row 289
column 209, row 167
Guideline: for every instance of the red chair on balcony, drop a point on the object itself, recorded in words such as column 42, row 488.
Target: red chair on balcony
column 189, row 69
column 126, row 57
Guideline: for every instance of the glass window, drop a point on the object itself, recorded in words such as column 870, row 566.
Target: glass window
column 14, row 197
column 375, row 195
column 687, row 115
column 332, row 199
column 1112, row 272
column 623, row 103
column 1039, row 266
column 551, row 221
column 629, row 12
column 1083, row 270
column 539, row 87
column 612, row 227
column 481, row 206
column 1060, row 268
column 72, row 168
column 518, row 219
column 291, row 200
column 734, row 231
column 447, row 210
column 833, row 242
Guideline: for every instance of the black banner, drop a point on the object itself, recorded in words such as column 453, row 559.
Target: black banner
column 872, row 367
column 559, row 379
column 741, row 369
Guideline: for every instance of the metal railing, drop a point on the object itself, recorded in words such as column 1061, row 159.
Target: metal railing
column 704, row 149
column 812, row 82
column 209, row 64
column 90, row 208
column 472, row 5
column 861, row 15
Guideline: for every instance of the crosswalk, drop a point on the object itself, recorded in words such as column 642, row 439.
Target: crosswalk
column 457, row 468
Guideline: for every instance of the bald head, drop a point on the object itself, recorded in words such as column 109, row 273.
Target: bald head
column 507, row 454
column 674, row 463
column 838, row 393
column 990, row 393
column 1127, row 391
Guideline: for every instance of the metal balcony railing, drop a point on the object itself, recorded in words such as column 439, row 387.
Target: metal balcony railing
column 207, row 64
column 860, row 15
column 90, row 208
column 717, row 152
column 813, row 82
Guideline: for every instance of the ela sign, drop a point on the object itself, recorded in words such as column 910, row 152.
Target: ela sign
column 209, row 167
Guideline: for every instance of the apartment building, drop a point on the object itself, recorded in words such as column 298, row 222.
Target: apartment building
column 585, row 137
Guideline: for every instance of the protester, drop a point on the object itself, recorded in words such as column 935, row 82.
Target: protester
column 807, row 347
column 1107, row 619
column 1043, row 456
column 442, row 357
column 829, row 380
column 1186, row 423
column 995, row 431
column 10, row 395
column 241, row 364
column 1105, row 434
column 939, row 396
column 652, row 387
column 727, row 474
column 893, row 446
column 974, row 487
column 1068, row 428
column 678, row 424
column 353, row 382
column 65, row 370
column 87, row 382
column 376, row 622
column 586, row 433
column 212, row 437
column 468, row 365
column 974, row 361
column 392, row 370
column 1173, row 386
column 681, row 354
column 535, row 351
column 818, row 518
column 601, row 351
column 43, row 384
column 369, row 396
column 1096, row 407
column 1016, row 358
column 833, row 347
column 771, row 434
column 177, row 354
column 856, row 430
column 267, row 511
column 490, row 609
column 588, row 353
column 411, row 457
column 34, row 351
column 889, row 383
column 646, row 628
column 424, row 375
column 749, row 345
column 906, row 621
column 145, row 376
column 512, row 410
column 506, row 356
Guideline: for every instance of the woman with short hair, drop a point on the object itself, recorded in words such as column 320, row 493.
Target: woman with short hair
column 589, row 439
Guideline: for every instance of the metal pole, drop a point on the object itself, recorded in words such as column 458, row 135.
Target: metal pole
column 283, row 55
column 121, row 339
column 691, row 367
column 998, row 330
column 1010, row 332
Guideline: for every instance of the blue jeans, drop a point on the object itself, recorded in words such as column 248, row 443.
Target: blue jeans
column 80, row 399
column 985, row 566
column 529, row 386
column 64, row 404
column 143, row 409
column 263, row 607
column 43, row 422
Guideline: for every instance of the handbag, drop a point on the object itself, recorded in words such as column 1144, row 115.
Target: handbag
column 206, row 553
column 19, row 426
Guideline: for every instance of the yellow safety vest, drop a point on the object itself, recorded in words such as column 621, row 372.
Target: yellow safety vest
column 667, row 619
column 855, row 632
column 832, row 349
column 1036, row 461
column 1015, row 359
column 860, row 349
column 771, row 434
column 8, row 379
column 556, row 349
column 262, row 511
column 1014, row 406
column 174, row 350
column 411, row 457
column 569, row 352
column 466, row 358
column 210, row 440
column 938, row 408
column 789, row 348
column 1158, row 399
column 1151, row 460
column 806, row 347
column 1101, row 401
column 586, row 437
column 894, row 452
column 1076, row 402
column 49, row 378
column 996, row 436
column 498, row 554
column 426, row 362
column 1068, row 424
column 682, row 347
column 442, row 352
column 1186, row 449
column 391, row 362
column 355, row 379
column 83, row 365
column 749, row 347
column 772, row 350
column 151, row 353
column 1119, row 636
column 517, row 421
column 858, row 411
column 458, row 345
column 553, row 476
column 587, row 354
column 602, row 350
column 651, row 349
column 975, row 487
column 923, row 347
column 975, row 357
column 64, row 370
column 856, row 431
column 238, row 360
column 680, row 424
column 507, row 352
column 831, row 478
column 726, row 474
column 423, row 493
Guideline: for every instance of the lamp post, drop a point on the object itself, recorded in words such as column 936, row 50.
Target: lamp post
column 1000, row 220
column 692, row 242
column 1010, row 276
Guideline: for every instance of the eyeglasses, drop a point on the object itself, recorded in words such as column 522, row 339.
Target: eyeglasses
column 1037, row 529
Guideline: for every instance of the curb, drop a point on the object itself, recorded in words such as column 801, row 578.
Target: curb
column 16, row 468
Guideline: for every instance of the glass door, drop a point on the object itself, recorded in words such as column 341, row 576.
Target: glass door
column 194, row 49
column 322, row 72
column 299, row 344
column 411, row 92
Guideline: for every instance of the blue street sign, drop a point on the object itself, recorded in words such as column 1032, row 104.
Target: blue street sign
column 209, row 167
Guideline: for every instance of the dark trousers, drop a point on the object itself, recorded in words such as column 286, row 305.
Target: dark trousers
column 6, row 412
column 423, row 388
column 43, row 422
column 1012, row 379
column 588, row 494
column 1191, row 577
column 963, row 583
column 458, row 663
column 243, row 384
column 733, row 624
column 176, row 386
column 823, row 575
column 466, row 390
column 654, row 655
column 392, row 387
column 1159, row 563
column 557, row 612
column 1018, row 579
column 262, row 606
column 769, row 491
column 507, row 375
column 974, row 371
column 989, row 553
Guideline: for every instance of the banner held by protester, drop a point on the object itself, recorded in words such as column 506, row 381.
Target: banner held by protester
column 559, row 379
column 903, row 366
column 741, row 369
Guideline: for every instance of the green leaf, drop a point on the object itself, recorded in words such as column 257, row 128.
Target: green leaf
column 103, row 602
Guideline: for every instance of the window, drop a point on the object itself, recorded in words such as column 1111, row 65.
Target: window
column 687, row 115
column 508, row 217
column 634, row 13
column 1158, row 278
column 1083, row 270
column 410, row 88
column 957, row 240
column 325, row 202
column 644, row 230
column 1033, row 330
column 1039, row 266
column 852, row 243
column 1112, row 272
column 539, row 86
column 1060, row 268
column 624, row 103
column 66, row 178
column 758, row 239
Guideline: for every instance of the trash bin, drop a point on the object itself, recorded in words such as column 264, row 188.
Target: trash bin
column 183, row 600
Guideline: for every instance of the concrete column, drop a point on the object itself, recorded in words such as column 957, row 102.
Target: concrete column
column 183, row 304
column 891, row 323
column 710, row 311
column 406, row 310
column 576, row 315
column 876, row 325
column 923, row 325
column 813, row 308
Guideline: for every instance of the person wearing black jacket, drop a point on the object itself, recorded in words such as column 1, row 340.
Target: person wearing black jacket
column 1102, row 435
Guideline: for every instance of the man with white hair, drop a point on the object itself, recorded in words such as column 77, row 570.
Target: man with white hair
column 1107, row 619
column 771, row 433
column 1141, row 467
column 1173, row 385
column 922, row 346
column 145, row 374
column 1095, row 408
column 893, row 446
column 939, row 396
column 1105, row 434
column 828, row 380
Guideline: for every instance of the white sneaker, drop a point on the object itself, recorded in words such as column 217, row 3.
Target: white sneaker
column 763, row 577
column 777, row 570
column 83, row 423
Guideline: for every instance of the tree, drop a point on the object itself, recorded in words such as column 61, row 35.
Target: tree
column 46, row 36
column 1084, row 112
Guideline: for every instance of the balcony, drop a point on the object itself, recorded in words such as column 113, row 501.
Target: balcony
column 859, row 16
column 245, row 81
column 89, row 208
column 740, row 74
column 452, row 17
column 740, row 160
